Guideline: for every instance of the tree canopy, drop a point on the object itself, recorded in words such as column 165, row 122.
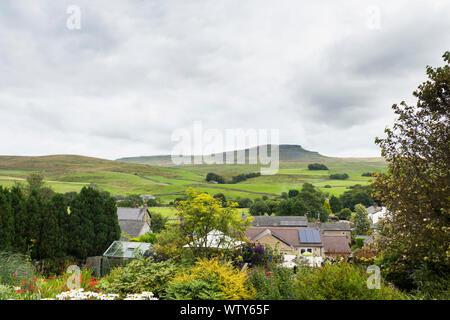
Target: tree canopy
column 201, row 213
column 415, row 189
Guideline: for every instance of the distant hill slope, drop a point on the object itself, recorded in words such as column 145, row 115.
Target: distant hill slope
column 288, row 153
column 56, row 164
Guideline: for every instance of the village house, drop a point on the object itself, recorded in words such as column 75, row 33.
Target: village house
column 280, row 221
column 294, row 240
column 333, row 229
column 134, row 222
column 375, row 212
column 295, row 235
column 288, row 240
column 335, row 246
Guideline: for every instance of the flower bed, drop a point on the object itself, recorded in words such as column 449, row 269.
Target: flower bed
column 80, row 294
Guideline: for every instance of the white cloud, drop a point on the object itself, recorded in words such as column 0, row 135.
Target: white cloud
column 137, row 70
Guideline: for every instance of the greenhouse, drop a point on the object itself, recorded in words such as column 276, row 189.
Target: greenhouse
column 120, row 253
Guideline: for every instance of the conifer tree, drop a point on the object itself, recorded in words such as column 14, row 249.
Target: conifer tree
column 6, row 220
column 111, row 223
column 51, row 244
column 21, row 222
column 34, row 208
column 335, row 204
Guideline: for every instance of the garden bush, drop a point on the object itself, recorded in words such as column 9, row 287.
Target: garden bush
column 275, row 284
column 148, row 237
column 210, row 276
column 207, row 288
column 140, row 275
column 7, row 292
column 14, row 268
column 55, row 266
column 256, row 255
column 341, row 281
column 359, row 242
column 431, row 284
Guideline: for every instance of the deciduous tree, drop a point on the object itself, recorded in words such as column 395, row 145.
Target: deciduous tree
column 415, row 189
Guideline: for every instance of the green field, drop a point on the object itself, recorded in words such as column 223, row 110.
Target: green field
column 71, row 173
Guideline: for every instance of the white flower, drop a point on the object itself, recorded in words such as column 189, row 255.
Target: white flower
column 80, row 294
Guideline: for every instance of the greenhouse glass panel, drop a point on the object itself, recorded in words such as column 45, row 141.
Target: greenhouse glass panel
column 121, row 253
column 125, row 249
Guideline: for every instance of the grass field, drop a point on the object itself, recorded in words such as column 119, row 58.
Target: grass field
column 71, row 173
column 170, row 212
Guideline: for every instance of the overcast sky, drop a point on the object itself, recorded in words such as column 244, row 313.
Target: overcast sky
column 325, row 73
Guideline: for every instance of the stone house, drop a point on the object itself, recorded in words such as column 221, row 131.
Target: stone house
column 289, row 240
column 134, row 222
column 333, row 229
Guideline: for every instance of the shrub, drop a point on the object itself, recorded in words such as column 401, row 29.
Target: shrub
column 244, row 202
column 55, row 266
column 341, row 281
column 317, row 166
column 195, row 289
column 139, row 275
column 345, row 214
column 339, row 176
column 221, row 197
column 243, row 177
column 51, row 286
column 7, row 292
column 152, row 202
column 359, row 242
column 367, row 174
column 209, row 276
column 276, row 284
column 419, row 280
column 214, row 177
column 158, row 222
column 15, row 268
column 293, row 193
column 149, row 237
column 256, row 255
column 431, row 284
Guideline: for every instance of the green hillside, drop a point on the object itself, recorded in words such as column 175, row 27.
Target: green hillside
column 66, row 173
column 287, row 153
column 56, row 164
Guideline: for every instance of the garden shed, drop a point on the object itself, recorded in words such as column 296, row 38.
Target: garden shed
column 120, row 253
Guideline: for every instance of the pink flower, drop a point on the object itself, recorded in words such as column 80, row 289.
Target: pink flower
column 15, row 274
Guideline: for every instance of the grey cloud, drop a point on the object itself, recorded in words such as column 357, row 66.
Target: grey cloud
column 137, row 70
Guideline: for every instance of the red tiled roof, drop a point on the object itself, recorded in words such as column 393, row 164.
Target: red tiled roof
column 335, row 244
column 285, row 234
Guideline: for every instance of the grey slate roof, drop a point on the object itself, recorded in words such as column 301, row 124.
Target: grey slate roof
column 132, row 221
column 330, row 226
column 133, row 228
column 137, row 214
column 280, row 221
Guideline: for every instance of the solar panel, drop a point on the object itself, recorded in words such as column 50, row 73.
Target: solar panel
column 309, row 236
